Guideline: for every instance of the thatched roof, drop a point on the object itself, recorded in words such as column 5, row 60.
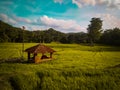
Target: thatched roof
column 40, row 48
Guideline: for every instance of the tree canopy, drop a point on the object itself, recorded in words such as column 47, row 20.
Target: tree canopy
column 111, row 37
column 94, row 30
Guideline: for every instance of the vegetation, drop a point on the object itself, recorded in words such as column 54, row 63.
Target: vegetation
column 74, row 67
column 9, row 33
column 94, row 30
column 111, row 37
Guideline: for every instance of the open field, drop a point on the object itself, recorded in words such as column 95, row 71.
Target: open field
column 74, row 67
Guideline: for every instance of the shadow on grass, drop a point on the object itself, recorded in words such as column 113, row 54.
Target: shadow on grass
column 13, row 60
column 115, row 66
column 104, row 49
column 40, row 75
column 14, row 84
column 111, row 49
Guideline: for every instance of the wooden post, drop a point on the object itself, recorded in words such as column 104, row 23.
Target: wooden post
column 51, row 55
column 35, row 54
column 28, row 56
column 23, row 41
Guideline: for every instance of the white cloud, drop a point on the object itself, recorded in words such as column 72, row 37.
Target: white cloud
column 58, row 1
column 81, row 3
column 5, row 18
column 108, row 3
column 109, row 21
column 60, row 24
column 15, row 20
column 114, row 4
column 43, row 22
column 37, row 27
column 22, row 20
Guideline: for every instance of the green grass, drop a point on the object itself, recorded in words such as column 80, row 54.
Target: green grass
column 75, row 67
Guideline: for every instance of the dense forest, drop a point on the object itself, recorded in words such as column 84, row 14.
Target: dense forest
column 9, row 33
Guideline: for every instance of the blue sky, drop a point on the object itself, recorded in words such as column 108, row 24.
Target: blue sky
column 62, row 15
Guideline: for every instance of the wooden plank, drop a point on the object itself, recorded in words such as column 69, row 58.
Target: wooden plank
column 45, row 60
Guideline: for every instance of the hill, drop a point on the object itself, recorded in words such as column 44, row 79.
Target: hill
column 9, row 33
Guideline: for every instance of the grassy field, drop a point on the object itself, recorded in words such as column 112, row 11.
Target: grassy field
column 74, row 67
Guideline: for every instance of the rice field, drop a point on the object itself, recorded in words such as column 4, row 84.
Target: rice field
column 74, row 67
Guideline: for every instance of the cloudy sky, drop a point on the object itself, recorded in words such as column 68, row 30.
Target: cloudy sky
column 62, row 15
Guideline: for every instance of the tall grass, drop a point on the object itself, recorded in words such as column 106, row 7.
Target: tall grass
column 74, row 67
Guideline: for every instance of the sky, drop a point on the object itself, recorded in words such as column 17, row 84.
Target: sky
column 62, row 15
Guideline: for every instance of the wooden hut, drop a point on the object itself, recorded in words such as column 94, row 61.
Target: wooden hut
column 40, row 48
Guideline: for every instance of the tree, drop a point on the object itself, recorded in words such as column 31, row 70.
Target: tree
column 71, row 38
column 64, row 39
column 94, row 30
column 111, row 37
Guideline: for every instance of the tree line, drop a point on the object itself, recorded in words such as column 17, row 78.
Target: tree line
column 9, row 33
